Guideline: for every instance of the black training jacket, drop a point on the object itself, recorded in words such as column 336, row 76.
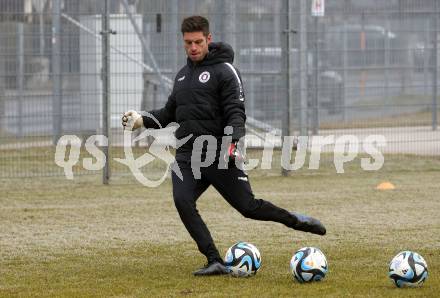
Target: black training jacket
column 206, row 97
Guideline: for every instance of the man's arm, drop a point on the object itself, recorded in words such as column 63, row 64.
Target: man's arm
column 164, row 116
column 134, row 120
column 232, row 95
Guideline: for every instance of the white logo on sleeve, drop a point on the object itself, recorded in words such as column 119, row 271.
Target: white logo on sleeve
column 240, row 86
column 181, row 79
column 204, row 77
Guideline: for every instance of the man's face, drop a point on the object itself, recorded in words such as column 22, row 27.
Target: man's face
column 196, row 45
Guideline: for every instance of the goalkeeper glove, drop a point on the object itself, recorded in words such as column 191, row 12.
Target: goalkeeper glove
column 132, row 120
column 233, row 153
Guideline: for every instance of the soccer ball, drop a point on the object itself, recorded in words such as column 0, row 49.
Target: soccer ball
column 408, row 269
column 308, row 264
column 243, row 259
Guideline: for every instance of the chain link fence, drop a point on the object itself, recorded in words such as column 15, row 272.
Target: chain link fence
column 362, row 68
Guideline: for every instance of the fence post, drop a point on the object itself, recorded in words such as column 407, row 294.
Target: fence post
column 387, row 59
column 286, row 71
column 105, row 76
column 251, row 95
column 344, row 71
column 174, row 37
column 303, row 70
column 316, row 78
column 20, row 76
column 435, row 66
column 56, row 71
column 426, row 61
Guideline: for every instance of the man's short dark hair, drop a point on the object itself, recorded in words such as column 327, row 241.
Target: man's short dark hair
column 195, row 24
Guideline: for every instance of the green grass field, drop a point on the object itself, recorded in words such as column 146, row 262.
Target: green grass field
column 83, row 239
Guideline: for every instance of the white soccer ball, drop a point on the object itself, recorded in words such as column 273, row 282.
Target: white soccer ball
column 243, row 259
column 308, row 264
column 408, row 269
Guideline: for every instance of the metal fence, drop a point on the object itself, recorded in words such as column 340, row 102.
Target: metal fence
column 364, row 67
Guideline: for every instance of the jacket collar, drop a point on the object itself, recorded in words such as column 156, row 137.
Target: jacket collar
column 218, row 52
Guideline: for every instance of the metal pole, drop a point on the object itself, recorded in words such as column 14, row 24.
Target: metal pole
column 230, row 22
column 219, row 7
column 344, row 71
column 426, row 56
column 303, row 70
column 387, row 59
column 20, row 76
column 286, row 75
column 403, row 72
column 174, row 36
column 41, row 19
column 252, row 95
column 435, row 70
column 56, row 71
column 290, row 70
column 316, row 79
column 106, row 87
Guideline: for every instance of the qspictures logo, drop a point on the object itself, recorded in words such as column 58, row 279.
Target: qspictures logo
column 159, row 148
column 204, row 152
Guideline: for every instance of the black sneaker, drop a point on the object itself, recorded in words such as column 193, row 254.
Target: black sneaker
column 215, row 268
column 308, row 224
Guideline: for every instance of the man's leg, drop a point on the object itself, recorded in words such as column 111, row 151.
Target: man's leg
column 233, row 185
column 185, row 194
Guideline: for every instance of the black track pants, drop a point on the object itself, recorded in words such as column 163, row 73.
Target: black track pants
column 234, row 186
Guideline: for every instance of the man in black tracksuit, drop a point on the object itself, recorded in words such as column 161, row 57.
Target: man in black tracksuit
column 207, row 97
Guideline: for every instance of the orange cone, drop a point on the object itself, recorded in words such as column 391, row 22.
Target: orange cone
column 385, row 186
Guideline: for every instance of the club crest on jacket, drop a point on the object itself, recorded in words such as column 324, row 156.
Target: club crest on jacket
column 204, row 77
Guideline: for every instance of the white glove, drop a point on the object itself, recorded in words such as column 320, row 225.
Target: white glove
column 132, row 120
